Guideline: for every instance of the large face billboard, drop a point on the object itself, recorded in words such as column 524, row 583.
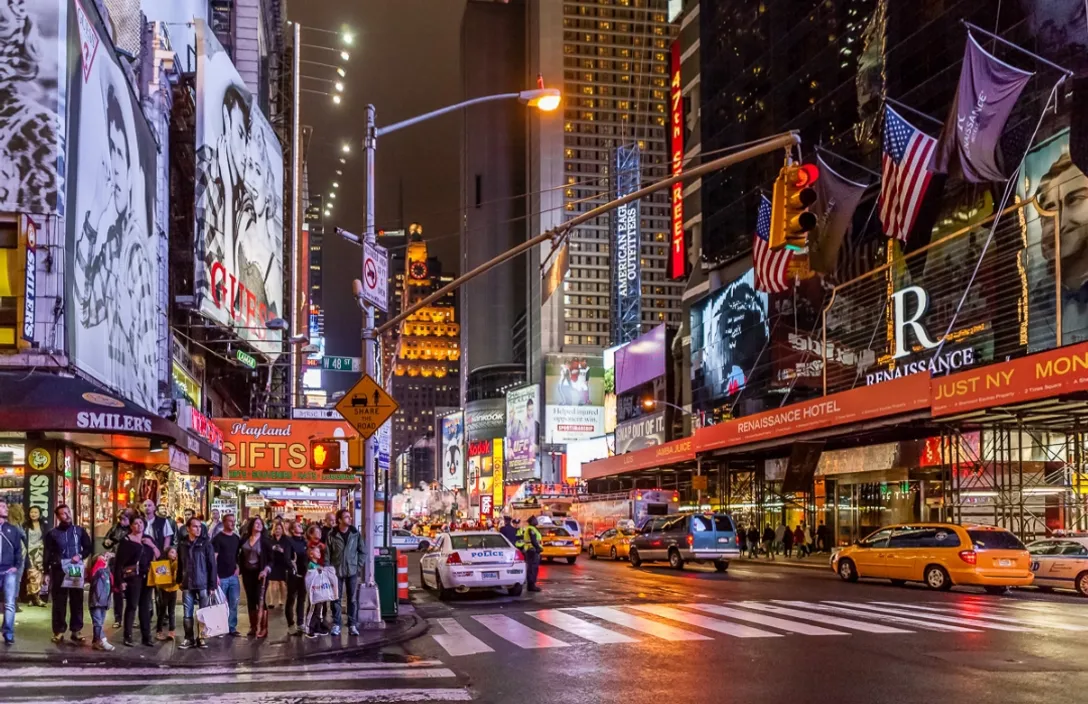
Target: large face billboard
column 453, row 450
column 574, row 397
column 729, row 333
column 34, row 37
column 239, row 202
column 523, row 433
column 112, row 248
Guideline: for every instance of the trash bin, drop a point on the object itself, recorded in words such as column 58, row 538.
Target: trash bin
column 385, row 576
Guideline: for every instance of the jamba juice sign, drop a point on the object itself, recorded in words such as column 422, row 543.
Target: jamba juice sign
column 276, row 450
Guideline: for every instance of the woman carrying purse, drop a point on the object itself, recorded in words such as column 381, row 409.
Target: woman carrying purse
column 131, row 566
column 254, row 563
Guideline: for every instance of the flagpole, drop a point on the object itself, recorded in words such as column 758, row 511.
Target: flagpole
column 917, row 112
column 1006, row 42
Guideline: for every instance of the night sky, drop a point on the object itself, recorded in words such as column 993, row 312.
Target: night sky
column 406, row 61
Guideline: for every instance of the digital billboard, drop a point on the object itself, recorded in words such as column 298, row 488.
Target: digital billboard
column 642, row 360
column 523, row 433
column 645, row 431
column 453, row 450
column 34, row 36
column 729, row 333
column 626, row 247
column 239, row 202
column 574, row 397
column 112, row 248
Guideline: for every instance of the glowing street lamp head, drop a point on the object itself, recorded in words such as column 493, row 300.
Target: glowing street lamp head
column 336, row 99
column 336, row 184
column 339, row 87
column 346, row 148
column 341, row 72
column 544, row 99
column 348, row 38
column 332, row 195
column 345, row 55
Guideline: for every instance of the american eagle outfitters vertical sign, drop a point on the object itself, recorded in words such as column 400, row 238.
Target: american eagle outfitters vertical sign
column 626, row 265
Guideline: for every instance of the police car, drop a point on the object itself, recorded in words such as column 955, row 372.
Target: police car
column 1061, row 563
column 463, row 561
column 408, row 541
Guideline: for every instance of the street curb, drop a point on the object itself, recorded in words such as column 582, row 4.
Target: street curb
column 416, row 627
column 783, row 563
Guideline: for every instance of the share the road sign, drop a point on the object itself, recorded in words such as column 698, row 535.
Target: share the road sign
column 367, row 407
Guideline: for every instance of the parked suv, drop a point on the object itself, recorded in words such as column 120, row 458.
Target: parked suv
column 687, row 538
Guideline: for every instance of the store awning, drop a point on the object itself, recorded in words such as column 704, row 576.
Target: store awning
column 682, row 450
column 50, row 403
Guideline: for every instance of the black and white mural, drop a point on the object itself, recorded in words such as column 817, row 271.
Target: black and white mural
column 239, row 202
column 33, row 44
column 113, row 249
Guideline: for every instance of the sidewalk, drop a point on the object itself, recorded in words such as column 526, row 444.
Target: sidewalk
column 817, row 561
column 33, row 643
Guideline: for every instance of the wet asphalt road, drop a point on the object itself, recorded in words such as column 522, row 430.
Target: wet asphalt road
column 874, row 643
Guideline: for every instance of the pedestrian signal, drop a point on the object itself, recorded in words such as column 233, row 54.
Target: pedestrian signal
column 793, row 195
column 328, row 455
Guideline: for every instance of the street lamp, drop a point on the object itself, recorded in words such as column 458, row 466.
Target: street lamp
column 336, row 99
column 348, row 38
column 346, row 148
column 345, row 55
column 650, row 404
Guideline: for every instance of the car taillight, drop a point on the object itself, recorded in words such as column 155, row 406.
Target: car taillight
column 518, row 557
column 969, row 556
column 736, row 539
column 453, row 559
column 690, row 540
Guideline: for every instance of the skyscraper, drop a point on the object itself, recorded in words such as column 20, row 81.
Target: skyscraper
column 611, row 60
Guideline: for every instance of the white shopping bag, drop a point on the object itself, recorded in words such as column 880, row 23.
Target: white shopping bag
column 214, row 619
column 321, row 585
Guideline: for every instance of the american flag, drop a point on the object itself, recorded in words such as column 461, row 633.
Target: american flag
column 772, row 266
column 907, row 152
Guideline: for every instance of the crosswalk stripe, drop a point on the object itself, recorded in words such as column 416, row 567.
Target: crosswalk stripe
column 967, row 612
column 324, row 696
column 583, row 629
column 458, row 641
column 241, row 678
column 711, row 624
column 932, row 617
column 780, row 623
column 826, row 619
column 877, row 616
column 640, row 624
column 19, row 673
column 518, row 633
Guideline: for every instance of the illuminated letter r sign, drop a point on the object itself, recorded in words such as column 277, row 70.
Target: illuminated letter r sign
column 902, row 322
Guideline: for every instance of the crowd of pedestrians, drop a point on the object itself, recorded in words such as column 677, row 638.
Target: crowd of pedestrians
column 800, row 541
column 148, row 559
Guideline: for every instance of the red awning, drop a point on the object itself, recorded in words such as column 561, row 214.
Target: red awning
column 682, row 450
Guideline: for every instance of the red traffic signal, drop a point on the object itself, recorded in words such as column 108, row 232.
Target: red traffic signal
column 805, row 175
column 327, row 455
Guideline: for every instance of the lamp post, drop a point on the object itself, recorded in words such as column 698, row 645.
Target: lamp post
column 542, row 98
column 650, row 403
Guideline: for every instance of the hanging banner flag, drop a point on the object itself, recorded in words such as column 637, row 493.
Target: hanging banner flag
column 557, row 271
column 986, row 95
column 836, row 200
column 678, row 252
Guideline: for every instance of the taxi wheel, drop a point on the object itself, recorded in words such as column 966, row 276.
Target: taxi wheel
column 592, row 553
column 1081, row 583
column 613, row 554
column 936, row 578
column 571, row 560
column 847, row 571
column 634, row 559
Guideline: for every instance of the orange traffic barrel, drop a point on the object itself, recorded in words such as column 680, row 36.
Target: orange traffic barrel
column 402, row 578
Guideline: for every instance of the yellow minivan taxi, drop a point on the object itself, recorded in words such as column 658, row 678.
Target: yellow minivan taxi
column 940, row 555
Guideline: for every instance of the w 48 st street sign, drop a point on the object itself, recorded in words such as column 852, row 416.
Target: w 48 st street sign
column 341, row 364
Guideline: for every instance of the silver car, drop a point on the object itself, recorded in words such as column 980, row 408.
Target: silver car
column 1061, row 563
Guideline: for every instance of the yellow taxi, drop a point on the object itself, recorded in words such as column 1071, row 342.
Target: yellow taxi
column 557, row 541
column 614, row 543
column 939, row 555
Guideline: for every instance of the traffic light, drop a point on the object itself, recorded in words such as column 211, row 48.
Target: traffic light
column 328, row 455
column 793, row 194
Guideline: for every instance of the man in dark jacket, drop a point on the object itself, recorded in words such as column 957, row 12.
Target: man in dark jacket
column 11, row 559
column 508, row 530
column 346, row 555
column 296, row 580
column 66, row 547
column 196, row 574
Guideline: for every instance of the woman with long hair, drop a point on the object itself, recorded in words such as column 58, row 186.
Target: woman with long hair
column 131, row 566
column 254, row 564
column 113, row 538
column 281, row 565
column 35, row 532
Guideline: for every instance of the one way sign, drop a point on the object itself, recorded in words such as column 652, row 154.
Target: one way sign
column 376, row 276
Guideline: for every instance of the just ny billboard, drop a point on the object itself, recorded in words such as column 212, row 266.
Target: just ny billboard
column 626, row 264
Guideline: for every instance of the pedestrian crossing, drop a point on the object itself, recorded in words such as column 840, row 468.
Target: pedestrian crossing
column 324, row 682
column 702, row 621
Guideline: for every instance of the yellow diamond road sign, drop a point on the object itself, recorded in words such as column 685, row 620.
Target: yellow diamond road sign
column 367, row 406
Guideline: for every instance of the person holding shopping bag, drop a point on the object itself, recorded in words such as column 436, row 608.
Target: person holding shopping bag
column 196, row 577
column 255, row 563
column 64, row 550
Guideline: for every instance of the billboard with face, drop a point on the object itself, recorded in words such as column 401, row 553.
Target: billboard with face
column 574, row 397
column 1050, row 176
column 113, row 316
column 729, row 332
column 34, row 37
column 239, row 202
column 522, row 433
column 453, row 450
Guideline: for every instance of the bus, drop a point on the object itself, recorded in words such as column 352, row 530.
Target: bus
column 597, row 513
